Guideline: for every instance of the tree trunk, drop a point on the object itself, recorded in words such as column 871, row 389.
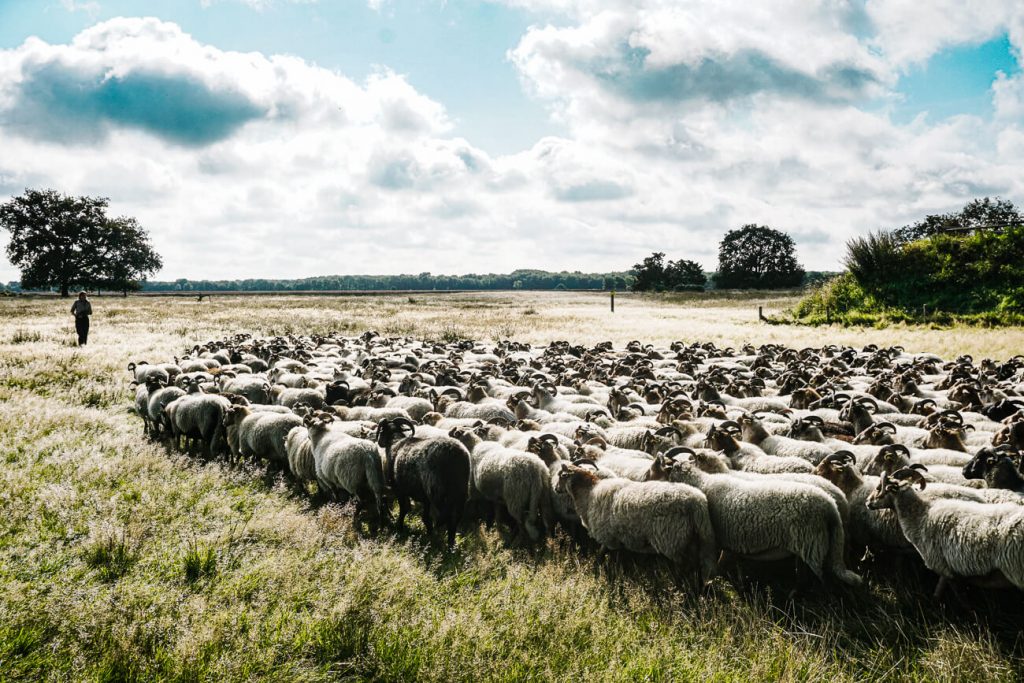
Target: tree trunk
column 64, row 290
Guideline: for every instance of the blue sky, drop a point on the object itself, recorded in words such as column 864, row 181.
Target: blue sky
column 410, row 135
column 956, row 80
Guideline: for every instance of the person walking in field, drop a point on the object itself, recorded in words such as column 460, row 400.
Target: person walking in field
column 82, row 309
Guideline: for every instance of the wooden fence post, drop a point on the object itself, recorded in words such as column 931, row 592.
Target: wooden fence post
column 613, row 300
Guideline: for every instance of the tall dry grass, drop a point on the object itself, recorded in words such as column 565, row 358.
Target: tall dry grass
column 122, row 561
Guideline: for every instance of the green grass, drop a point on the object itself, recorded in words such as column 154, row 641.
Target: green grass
column 122, row 561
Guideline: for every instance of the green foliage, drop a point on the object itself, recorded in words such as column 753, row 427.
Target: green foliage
column 874, row 258
column 110, row 556
column 834, row 297
column 200, row 561
column 976, row 213
column 65, row 241
column 962, row 277
column 656, row 274
column 757, row 257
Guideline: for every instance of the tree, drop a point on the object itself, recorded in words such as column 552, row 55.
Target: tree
column 649, row 274
column 976, row 213
column 684, row 274
column 123, row 256
column 756, row 256
column 654, row 273
column 66, row 241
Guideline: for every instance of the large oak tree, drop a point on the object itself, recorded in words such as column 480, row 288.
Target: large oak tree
column 65, row 241
column 756, row 256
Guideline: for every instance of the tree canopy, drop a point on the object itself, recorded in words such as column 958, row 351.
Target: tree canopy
column 976, row 213
column 757, row 257
column 64, row 241
column 656, row 274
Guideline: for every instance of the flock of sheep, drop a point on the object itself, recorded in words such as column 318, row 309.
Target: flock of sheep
column 691, row 452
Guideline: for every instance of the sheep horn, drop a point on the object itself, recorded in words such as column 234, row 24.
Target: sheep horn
column 671, row 453
column 953, row 415
column 913, row 475
column 869, row 401
column 839, row 457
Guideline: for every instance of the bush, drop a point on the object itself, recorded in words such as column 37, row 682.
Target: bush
column 833, row 297
column 874, row 258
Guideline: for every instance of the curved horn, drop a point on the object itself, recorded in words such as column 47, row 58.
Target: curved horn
column 671, row 453
column 913, row 475
column 897, row 448
column 843, row 457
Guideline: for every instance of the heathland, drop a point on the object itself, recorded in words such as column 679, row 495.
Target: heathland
column 120, row 560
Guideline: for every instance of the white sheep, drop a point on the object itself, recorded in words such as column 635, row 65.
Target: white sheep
column 956, row 538
column 649, row 517
column 514, row 479
column 769, row 519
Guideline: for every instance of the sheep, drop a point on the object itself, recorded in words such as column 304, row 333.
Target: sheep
column 433, row 471
column 514, row 479
column 368, row 414
column 253, row 387
column 768, row 519
column 896, row 456
column 996, row 469
column 478, row 411
column 288, row 397
column 347, row 464
column 299, row 448
column 143, row 372
column 156, row 409
column 754, row 432
column 414, row 407
column 651, row 517
column 956, row 538
column 198, row 415
column 626, row 466
column 750, row 458
column 873, row 529
column 547, row 448
column 142, row 394
column 259, row 434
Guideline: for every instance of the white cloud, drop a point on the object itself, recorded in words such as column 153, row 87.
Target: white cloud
column 684, row 120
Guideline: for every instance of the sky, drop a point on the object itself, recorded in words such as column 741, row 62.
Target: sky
column 294, row 138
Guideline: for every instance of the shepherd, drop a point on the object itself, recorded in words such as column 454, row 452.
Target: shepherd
column 82, row 309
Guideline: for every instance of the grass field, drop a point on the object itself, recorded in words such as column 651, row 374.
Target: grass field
column 121, row 561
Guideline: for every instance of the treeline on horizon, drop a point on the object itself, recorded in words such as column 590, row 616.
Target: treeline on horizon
column 518, row 279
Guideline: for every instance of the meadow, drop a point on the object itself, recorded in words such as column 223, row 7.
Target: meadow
column 120, row 560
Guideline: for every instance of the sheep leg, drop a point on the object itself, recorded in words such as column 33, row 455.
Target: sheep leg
column 403, row 510
column 453, row 524
column 383, row 510
column 428, row 522
column 359, row 508
column 489, row 515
